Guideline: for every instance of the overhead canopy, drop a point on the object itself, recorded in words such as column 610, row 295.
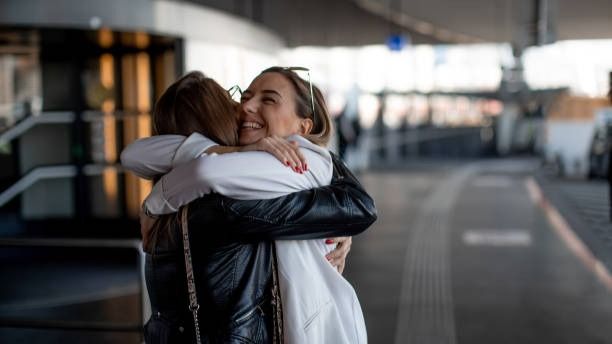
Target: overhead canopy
column 359, row 22
column 342, row 22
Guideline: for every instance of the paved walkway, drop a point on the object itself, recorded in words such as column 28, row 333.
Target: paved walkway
column 462, row 254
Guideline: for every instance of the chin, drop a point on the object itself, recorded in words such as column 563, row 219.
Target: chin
column 247, row 138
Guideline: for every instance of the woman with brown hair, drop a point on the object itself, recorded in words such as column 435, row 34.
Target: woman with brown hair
column 236, row 260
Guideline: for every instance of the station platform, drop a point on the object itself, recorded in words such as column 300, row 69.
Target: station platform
column 466, row 253
column 463, row 252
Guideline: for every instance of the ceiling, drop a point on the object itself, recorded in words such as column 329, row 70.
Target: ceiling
column 359, row 22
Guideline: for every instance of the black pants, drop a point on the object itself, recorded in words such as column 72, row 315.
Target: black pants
column 163, row 328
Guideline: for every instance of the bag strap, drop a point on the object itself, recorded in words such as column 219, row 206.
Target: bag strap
column 277, row 307
column 194, row 306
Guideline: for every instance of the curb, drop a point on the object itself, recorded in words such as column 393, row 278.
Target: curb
column 567, row 234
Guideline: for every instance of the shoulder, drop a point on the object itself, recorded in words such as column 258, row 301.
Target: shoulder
column 319, row 160
column 305, row 144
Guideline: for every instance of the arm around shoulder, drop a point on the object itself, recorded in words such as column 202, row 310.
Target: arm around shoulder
column 155, row 155
column 151, row 156
column 343, row 208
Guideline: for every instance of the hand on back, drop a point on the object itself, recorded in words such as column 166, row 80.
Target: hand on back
column 337, row 257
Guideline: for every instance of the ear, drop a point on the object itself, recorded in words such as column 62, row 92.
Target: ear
column 305, row 126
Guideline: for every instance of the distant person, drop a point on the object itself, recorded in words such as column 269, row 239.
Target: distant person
column 348, row 130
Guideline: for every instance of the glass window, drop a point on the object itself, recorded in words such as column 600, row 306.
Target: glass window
column 20, row 90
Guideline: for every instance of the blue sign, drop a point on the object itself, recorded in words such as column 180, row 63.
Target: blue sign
column 396, row 42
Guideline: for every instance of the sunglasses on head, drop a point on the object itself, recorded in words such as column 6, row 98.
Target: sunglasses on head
column 233, row 90
column 304, row 69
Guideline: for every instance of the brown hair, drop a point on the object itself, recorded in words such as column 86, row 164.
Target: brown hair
column 193, row 103
column 322, row 124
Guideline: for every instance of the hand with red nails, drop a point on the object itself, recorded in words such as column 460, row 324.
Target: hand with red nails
column 337, row 257
column 286, row 151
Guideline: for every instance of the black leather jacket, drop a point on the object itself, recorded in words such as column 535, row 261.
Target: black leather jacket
column 232, row 255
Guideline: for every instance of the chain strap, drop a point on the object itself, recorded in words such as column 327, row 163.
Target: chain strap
column 194, row 306
column 277, row 306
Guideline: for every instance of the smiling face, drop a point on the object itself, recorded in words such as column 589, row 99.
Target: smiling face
column 268, row 107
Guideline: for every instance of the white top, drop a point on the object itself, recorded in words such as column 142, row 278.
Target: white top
column 319, row 305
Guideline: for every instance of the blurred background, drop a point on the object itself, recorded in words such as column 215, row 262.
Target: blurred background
column 482, row 129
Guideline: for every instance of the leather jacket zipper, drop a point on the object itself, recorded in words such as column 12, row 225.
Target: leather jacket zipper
column 250, row 313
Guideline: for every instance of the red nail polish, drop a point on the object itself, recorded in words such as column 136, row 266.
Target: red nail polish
column 329, row 241
column 305, row 166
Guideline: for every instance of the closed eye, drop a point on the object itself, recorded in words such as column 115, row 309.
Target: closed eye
column 245, row 96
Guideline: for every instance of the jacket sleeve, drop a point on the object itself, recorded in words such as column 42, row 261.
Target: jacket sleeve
column 342, row 208
column 156, row 155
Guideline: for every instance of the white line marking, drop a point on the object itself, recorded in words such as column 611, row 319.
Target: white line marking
column 492, row 182
column 491, row 237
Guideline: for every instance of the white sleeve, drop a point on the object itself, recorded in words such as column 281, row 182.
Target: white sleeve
column 158, row 154
column 249, row 175
column 194, row 146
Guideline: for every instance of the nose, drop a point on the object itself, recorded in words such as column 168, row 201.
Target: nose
column 249, row 106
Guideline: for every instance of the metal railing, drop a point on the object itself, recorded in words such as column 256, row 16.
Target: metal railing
column 33, row 120
column 51, row 172
column 129, row 244
column 56, row 171
column 57, row 117
column 415, row 137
